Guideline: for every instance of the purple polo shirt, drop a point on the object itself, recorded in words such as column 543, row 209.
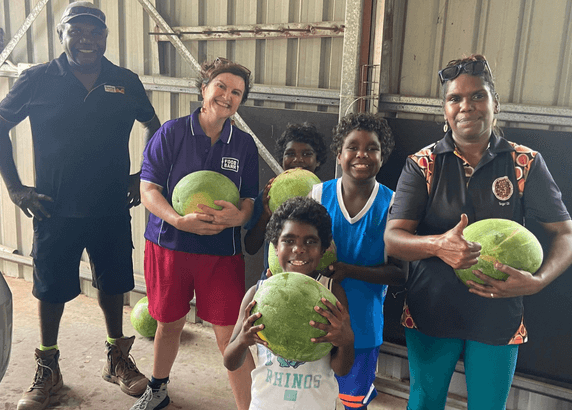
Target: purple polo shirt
column 180, row 147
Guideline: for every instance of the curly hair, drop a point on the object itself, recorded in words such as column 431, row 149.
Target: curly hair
column 363, row 122
column 301, row 209
column 211, row 69
column 306, row 133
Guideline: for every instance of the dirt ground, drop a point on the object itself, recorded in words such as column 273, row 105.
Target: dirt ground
column 198, row 379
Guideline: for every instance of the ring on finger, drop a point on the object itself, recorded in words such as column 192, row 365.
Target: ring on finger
column 492, row 296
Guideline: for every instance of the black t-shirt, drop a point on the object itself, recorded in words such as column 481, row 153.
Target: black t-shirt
column 80, row 138
column 438, row 301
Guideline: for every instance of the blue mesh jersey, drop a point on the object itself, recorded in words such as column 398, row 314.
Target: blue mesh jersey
column 359, row 241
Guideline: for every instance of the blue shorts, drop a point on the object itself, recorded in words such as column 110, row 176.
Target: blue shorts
column 489, row 371
column 58, row 247
column 356, row 387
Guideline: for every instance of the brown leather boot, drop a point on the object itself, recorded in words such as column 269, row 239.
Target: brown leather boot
column 121, row 369
column 47, row 381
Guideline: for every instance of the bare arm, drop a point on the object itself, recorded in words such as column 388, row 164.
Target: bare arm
column 133, row 190
column 151, row 127
column 254, row 237
column 520, row 282
column 23, row 196
column 391, row 273
column 244, row 333
column 451, row 247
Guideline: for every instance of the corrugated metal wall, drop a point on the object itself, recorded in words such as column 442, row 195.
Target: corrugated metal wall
column 528, row 44
column 305, row 61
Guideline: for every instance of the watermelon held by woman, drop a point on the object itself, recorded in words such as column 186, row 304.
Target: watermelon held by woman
column 503, row 241
column 287, row 302
column 203, row 187
column 289, row 184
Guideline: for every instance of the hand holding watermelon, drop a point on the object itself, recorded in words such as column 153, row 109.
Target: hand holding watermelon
column 228, row 215
column 455, row 250
column 248, row 335
column 198, row 223
column 518, row 283
column 338, row 328
column 510, row 255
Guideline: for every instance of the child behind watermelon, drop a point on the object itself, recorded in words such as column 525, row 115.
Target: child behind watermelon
column 300, row 230
column 358, row 206
column 299, row 146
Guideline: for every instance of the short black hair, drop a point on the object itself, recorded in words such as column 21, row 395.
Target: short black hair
column 363, row 122
column 306, row 133
column 300, row 209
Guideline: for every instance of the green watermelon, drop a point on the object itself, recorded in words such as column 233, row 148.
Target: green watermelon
column 329, row 257
column 289, row 184
column 141, row 320
column 287, row 302
column 203, row 187
column 505, row 241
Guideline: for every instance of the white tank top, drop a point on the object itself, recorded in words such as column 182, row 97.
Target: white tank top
column 280, row 384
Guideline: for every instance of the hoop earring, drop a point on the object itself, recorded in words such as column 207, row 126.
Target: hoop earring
column 446, row 127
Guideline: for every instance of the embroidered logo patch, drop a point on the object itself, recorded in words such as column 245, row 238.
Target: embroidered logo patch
column 114, row 89
column 502, row 188
column 229, row 164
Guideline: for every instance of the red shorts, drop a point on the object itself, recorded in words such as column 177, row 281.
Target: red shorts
column 173, row 277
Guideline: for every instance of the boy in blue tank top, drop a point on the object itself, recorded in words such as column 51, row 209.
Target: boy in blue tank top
column 358, row 206
column 300, row 230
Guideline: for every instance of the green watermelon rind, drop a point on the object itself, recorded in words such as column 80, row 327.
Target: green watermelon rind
column 218, row 185
column 287, row 302
column 329, row 257
column 141, row 320
column 498, row 238
column 289, row 184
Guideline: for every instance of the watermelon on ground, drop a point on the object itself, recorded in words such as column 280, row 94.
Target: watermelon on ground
column 329, row 257
column 141, row 320
column 289, row 184
column 203, row 187
column 287, row 302
column 503, row 241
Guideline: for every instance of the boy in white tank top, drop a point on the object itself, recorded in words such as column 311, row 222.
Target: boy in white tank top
column 300, row 230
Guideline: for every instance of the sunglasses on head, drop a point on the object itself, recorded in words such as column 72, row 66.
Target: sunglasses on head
column 471, row 67
column 224, row 61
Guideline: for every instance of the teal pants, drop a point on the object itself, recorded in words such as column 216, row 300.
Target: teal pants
column 489, row 371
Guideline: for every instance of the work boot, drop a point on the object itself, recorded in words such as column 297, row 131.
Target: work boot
column 47, row 381
column 121, row 369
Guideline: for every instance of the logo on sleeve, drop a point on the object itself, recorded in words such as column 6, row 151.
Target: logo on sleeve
column 229, row 164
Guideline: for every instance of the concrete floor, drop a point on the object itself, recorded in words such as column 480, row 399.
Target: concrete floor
column 198, row 379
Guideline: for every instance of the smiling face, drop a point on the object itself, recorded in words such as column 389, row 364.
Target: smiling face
column 223, row 95
column 361, row 155
column 469, row 108
column 299, row 248
column 299, row 155
column 84, row 42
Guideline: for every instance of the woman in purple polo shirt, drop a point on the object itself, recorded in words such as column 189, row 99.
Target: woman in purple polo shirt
column 199, row 253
